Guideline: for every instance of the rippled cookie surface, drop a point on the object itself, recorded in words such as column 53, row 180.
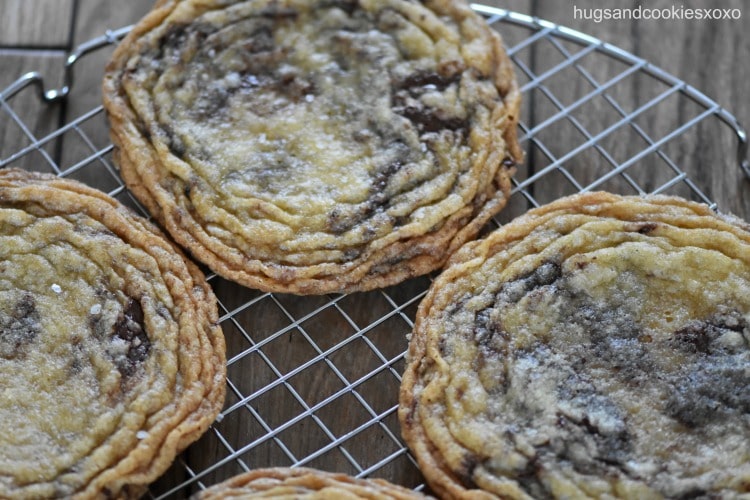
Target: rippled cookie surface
column 305, row 483
column 315, row 146
column 111, row 360
column 597, row 347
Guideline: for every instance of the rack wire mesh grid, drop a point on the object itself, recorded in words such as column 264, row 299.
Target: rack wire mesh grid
column 313, row 381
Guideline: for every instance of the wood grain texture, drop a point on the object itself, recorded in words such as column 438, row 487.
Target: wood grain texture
column 311, row 349
column 93, row 19
column 25, row 119
column 35, row 23
column 709, row 55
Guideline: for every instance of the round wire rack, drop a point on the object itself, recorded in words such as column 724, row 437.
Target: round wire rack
column 313, row 381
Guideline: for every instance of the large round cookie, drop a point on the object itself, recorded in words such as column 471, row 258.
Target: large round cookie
column 303, row 483
column 111, row 358
column 597, row 347
column 314, row 146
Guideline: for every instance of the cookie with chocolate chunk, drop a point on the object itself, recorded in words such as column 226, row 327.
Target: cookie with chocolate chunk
column 111, row 357
column 315, row 146
column 597, row 347
column 305, row 483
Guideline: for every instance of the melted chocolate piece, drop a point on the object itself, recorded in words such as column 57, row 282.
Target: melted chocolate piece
column 177, row 146
column 172, row 140
column 528, row 479
column 418, row 82
column 615, row 339
column 19, row 327
column 699, row 494
column 277, row 12
column 700, row 336
column 130, row 329
column 378, row 195
column 176, row 36
column 405, row 101
column 260, row 41
column 259, row 56
column 378, row 200
column 607, row 445
column 294, row 87
column 696, row 337
column 715, row 383
column 337, row 223
column 710, row 390
column 143, row 129
column 210, row 103
column 466, row 470
column 489, row 334
column 430, row 120
column 544, row 275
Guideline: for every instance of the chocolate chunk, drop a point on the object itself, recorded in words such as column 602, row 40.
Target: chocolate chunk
column 489, row 333
column 421, row 80
column 172, row 140
column 294, row 87
column 528, row 479
column 466, row 470
column 616, row 339
column 177, row 147
column 143, row 129
column 211, row 103
column 343, row 219
column 700, row 336
column 336, row 223
column 173, row 37
column 710, row 389
column 176, row 35
column 545, row 275
column 339, row 220
column 443, row 347
column 130, row 329
column 405, row 101
column 431, row 120
column 695, row 337
column 691, row 409
column 607, row 446
column 696, row 493
column 260, row 41
column 484, row 328
column 383, row 176
column 276, row 12
column 19, row 327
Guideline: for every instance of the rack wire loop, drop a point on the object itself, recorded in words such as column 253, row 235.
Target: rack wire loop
column 36, row 79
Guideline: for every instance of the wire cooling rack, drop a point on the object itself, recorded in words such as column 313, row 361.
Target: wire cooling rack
column 313, row 381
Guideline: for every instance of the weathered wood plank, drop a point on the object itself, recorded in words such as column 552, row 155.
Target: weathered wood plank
column 80, row 149
column 702, row 53
column 24, row 118
column 35, row 23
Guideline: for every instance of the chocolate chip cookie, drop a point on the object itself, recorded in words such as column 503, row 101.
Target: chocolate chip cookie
column 305, row 483
column 597, row 347
column 315, row 146
column 111, row 358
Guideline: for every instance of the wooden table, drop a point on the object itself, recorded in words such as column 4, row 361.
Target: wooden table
column 314, row 380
